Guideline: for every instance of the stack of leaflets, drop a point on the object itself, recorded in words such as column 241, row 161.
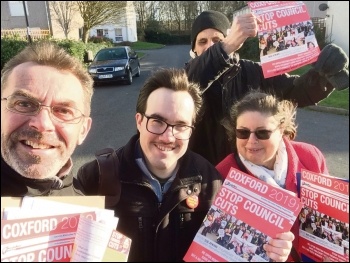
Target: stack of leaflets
column 324, row 220
column 245, row 214
column 44, row 230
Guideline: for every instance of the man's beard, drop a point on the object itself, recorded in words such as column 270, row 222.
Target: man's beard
column 32, row 166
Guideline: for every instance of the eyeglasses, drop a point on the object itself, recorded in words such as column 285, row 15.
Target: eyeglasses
column 157, row 126
column 260, row 134
column 30, row 107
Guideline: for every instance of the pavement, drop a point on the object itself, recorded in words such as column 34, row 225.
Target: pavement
column 329, row 110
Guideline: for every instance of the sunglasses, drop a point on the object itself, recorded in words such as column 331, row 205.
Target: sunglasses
column 260, row 134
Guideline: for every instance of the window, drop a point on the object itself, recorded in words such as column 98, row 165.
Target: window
column 118, row 32
column 99, row 32
column 105, row 32
column 118, row 35
column 16, row 8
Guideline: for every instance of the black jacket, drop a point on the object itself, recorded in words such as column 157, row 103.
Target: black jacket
column 159, row 231
column 15, row 185
column 228, row 81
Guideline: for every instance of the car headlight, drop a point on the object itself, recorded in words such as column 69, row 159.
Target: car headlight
column 118, row 68
column 92, row 70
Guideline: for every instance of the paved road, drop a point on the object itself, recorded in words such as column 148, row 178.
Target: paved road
column 113, row 113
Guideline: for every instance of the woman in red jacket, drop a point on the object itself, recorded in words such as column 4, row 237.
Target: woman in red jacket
column 262, row 130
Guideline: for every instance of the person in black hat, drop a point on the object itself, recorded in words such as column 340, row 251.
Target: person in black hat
column 224, row 78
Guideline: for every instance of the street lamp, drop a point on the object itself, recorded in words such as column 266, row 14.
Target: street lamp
column 26, row 16
column 324, row 7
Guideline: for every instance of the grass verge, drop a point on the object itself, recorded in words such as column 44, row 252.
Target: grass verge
column 139, row 45
column 145, row 45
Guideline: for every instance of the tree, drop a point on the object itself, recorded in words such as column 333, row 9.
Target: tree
column 96, row 13
column 141, row 8
column 64, row 12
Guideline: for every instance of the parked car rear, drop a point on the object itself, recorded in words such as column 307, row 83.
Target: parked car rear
column 115, row 64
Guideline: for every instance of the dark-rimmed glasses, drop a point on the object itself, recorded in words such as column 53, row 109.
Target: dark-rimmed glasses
column 158, row 127
column 260, row 134
column 31, row 107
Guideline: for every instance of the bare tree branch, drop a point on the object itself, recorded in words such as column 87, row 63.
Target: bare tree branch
column 63, row 13
column 96, row 13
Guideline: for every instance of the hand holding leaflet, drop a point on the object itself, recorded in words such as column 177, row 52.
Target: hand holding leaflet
column 255, row 212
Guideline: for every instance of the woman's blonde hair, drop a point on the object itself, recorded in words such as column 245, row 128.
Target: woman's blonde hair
column 283, row 111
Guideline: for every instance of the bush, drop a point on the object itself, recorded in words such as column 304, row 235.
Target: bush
column 124, row 43
column 10, row 46
column 250, row 49
column 95, row 47
column 95, row 39
column 74, row 48
column 166, row 38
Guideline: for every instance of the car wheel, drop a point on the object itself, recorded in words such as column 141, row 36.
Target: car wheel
column 129, row 79
column 138, row 72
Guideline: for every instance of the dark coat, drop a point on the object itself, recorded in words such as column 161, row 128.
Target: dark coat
column 159, row 231
column 230, row 81
column 15, row 185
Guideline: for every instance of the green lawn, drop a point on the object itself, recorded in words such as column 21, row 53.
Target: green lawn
column 145, row 45
column 338, row 99
column 139, row 45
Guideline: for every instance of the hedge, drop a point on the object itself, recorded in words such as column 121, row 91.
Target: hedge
column 10, row 46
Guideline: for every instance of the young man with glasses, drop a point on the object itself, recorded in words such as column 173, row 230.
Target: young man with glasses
column 166, row 189
column 45, row 107
column 262, row 129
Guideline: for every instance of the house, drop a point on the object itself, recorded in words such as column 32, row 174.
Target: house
column 337, row 23
column 13, row 19
column 124, row 29
column 39, row 18
column 334, row 16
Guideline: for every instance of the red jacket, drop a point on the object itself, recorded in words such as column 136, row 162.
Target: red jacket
column 300, row 155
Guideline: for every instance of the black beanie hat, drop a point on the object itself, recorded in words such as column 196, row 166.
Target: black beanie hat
column 209, row 19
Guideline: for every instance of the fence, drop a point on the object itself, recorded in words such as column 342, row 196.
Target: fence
column 34, row 33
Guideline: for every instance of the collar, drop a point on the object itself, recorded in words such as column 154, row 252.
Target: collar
column 277, row 176
column 159, row 188
column 66, row 169
column 14, row 184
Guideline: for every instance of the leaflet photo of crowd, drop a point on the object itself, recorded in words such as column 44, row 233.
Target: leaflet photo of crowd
column 285, row 37
column 234, row 235
column 325, row 227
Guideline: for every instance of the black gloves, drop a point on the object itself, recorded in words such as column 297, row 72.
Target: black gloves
column 333, row 64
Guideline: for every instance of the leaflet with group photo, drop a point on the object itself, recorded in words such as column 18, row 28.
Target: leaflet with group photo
column 286, row 36
column 245, row 214
column 324, row 219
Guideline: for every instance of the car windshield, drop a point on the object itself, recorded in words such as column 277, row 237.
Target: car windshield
column 111, row 54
